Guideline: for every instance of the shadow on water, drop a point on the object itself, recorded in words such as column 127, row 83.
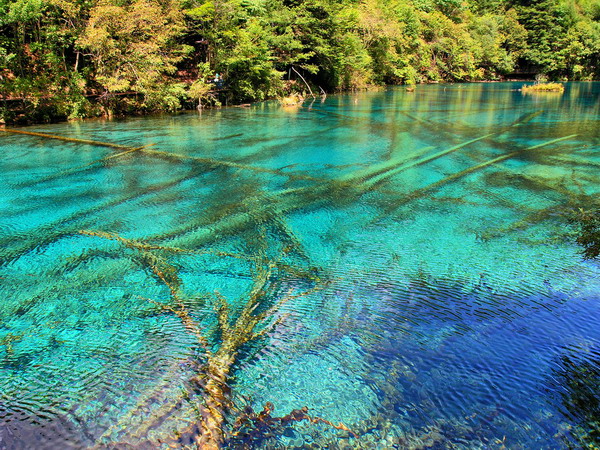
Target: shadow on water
column 21, row 430
column 575, row 380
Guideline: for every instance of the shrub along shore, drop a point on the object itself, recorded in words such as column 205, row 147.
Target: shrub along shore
column 70, row 59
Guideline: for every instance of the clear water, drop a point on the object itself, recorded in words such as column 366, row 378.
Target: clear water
column 446, row 307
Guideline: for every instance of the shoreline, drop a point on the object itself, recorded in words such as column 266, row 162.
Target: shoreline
column 184, row 110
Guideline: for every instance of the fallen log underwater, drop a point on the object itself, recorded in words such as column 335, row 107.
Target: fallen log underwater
column 208, row 163
column 68, row 139
column 418, row 193
column 259, row 314
column 11, row 249
column 563, row 207
column 90, row 167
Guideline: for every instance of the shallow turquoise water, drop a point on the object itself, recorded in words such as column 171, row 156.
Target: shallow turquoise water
column 447, row 302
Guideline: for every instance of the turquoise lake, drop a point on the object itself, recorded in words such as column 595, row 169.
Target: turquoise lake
column 428, row 291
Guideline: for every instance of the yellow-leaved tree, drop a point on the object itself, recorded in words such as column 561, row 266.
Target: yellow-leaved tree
column 135, row 48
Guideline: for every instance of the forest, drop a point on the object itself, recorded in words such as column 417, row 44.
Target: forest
column 70, row 59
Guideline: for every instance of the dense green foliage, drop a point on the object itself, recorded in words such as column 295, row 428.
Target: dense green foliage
column 76, row 58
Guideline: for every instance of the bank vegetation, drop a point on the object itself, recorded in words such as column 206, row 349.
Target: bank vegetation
column 69, row 59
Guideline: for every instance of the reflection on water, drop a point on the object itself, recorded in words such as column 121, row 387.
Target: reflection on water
column 577, row 380
column 423, row 289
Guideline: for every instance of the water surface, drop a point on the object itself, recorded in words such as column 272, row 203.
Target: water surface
column 446, row 301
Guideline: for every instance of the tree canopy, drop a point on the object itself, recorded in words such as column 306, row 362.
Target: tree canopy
column 76, row 58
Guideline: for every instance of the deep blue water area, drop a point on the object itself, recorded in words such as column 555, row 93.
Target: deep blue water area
column 425, row 286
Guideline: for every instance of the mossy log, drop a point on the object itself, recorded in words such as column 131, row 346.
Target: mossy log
column 40, row 237
column 209, row 163
column 212, row 163
column 543, row 87
column 253, row 321
column 422, row 192
column 68, row 139
column 90, row 167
